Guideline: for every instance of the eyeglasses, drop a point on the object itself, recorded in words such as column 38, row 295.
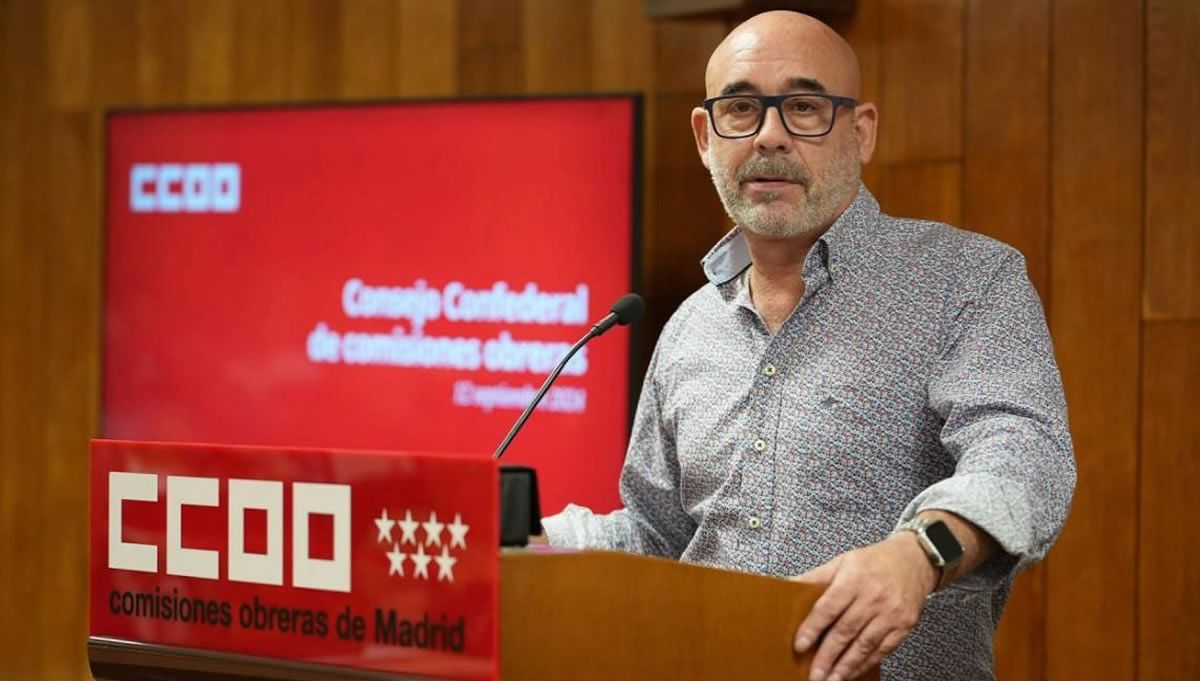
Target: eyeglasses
column 810, row 115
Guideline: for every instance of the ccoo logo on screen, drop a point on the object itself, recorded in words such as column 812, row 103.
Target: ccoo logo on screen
column 185, row 187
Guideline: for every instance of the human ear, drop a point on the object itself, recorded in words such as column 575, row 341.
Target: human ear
column 866, row 120
column 700, row 131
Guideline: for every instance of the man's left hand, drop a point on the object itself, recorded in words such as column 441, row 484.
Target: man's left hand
column 874, row 598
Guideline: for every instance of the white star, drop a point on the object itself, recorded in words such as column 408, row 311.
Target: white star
column 445, row 565
column 420, row 561
column 458, row 532
column 408, row 528
column 433, row 530
column 396, row 560
column 384, row 524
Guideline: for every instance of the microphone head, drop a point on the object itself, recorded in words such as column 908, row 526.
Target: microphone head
column 628, row 309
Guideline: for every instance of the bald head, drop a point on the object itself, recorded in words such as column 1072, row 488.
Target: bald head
column 780, row 182
column 789, row 47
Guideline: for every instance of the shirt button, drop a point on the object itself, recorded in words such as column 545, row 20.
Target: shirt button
column 755, row 523
column 759, row 445
column 769, row 370
column 835, row 268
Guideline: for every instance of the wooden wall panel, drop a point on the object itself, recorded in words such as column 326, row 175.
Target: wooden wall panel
column 1096, row 204
column 161, row 52
column 1168, row 642
column 490, row 46
column 623, row 60
column 622, row 47
column 425, row 52
column 688, row 217
column 922, row 80
column 367, row 33
column 1006, row 161
column 68, row 77
column 919, row 150
column 314, row 32
column 260, row 49
column 210, row 51
column 1169, row 538
column 114, row 53
column 557, row 46
column 684, row 218
column 25, row 640
column 11, row 478
column 1172, row 160
column 929, row 190
column 682, row 48
column 1021, row 636
column 70, row 374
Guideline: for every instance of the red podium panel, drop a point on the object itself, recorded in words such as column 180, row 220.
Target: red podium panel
column 369, row 560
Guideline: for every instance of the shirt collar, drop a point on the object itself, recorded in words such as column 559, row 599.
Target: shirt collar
column 846, row 237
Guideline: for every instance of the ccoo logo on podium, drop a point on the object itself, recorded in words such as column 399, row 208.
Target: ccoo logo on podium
column 419, row 543
column 308, row 498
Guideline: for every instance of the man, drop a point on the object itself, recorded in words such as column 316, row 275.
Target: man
column 854, row 400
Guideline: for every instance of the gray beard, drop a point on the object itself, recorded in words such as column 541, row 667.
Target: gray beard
column 818, row 209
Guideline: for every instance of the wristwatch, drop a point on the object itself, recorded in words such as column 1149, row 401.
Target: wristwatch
column 940, row 545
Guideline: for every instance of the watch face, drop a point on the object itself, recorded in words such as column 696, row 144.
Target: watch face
column 944, row 540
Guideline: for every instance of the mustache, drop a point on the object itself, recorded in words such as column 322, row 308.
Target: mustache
column 772, row 167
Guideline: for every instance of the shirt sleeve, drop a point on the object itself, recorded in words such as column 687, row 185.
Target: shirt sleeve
column 652, row 521
column 999, row 392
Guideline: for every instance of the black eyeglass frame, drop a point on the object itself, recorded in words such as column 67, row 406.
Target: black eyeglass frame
column 776, row 101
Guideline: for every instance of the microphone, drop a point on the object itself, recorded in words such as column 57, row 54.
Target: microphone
column 627, row 310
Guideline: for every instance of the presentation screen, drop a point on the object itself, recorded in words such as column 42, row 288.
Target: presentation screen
column 396, row 276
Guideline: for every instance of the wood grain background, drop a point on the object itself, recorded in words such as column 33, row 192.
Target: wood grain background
column 1064, row 127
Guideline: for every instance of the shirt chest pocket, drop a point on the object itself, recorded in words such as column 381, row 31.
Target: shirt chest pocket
column 860, row 444
column 870, row 414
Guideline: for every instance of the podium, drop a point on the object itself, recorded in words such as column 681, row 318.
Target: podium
column 193, row 577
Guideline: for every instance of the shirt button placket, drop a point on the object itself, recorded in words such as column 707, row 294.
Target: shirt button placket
column 759, row 445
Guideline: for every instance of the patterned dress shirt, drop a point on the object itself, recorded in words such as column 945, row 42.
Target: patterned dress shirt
column 916, row 373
